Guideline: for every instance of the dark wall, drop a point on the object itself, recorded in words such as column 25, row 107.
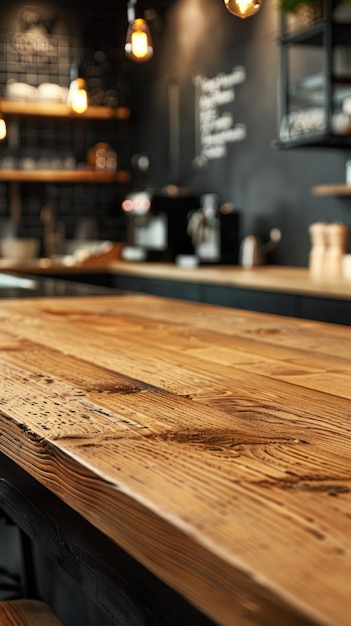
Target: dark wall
column 271, row 188
column 191, row 37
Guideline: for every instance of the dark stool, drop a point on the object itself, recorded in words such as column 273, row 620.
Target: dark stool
column 27, row 613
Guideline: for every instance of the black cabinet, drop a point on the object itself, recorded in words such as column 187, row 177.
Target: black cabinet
column 314, row 86
column 250, row 299
column 291, row 304
column 160, row 287
column 324, row 310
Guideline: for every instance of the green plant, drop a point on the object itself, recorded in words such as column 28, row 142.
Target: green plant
column 291, row 6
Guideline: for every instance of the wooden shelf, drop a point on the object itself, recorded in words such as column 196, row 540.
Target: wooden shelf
column 63, row 176
column 54, row 109
column 339, row 189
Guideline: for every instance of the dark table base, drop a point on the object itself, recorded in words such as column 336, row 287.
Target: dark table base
column 126, row 591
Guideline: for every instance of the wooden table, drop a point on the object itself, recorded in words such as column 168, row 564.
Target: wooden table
column 211, row 445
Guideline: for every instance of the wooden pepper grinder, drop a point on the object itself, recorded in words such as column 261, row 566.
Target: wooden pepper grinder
column 337, row 235
column 318, row 236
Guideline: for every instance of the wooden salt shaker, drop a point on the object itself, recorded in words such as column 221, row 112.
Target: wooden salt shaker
column 318, row 236
column 337, row 235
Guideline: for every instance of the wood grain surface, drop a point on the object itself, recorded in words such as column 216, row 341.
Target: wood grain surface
column 27, row 613
column 336, row 189
column 213, row 445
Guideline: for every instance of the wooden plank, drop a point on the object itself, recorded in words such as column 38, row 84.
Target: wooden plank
column 227, row 477
column 63, row 176
column 336, row 189
column 27, row 613
column 54, row 109
column 202, row 350
column 245, row 353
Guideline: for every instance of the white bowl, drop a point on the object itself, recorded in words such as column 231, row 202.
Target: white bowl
column 50, row 92
column 19, row 249
column 20, row 91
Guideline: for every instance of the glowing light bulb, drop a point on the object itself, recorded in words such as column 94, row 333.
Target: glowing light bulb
column 77, row 96
column 79, row 102
column 138, row 46
column 243, row 8
column 3, row 129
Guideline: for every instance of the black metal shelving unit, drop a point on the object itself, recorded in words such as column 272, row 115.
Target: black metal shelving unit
column 327, row 34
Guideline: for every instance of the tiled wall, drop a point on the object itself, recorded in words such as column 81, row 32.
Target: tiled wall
column 49, row 142
column 43, row 141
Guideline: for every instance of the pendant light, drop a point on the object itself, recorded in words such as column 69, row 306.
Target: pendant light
column 138, row 46
column 243, row 8
column 77, row 97
column 3, row 129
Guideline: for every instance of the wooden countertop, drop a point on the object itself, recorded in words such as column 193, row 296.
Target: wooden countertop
column 213, row 445
column 282, row 279
column 266, row 278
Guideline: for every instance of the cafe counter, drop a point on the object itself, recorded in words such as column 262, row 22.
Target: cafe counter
column 284, row 290
column 209, row 445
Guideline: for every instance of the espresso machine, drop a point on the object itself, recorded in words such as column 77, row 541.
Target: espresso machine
column 214, row 231
column 171, row 224
column 158, row 223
